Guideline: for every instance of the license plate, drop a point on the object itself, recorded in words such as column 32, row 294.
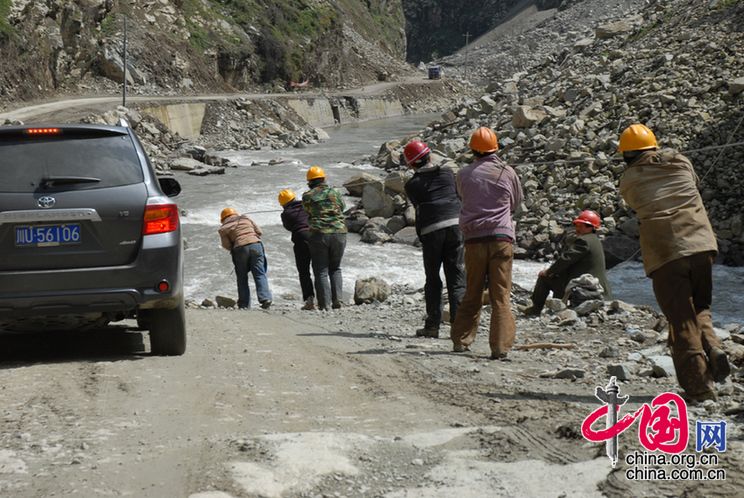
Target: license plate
column 47, row 235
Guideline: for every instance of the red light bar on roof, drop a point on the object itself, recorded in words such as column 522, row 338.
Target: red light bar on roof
column 43, row 131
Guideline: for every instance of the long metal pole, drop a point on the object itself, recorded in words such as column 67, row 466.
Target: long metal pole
column 124, row 88
column 467, row 52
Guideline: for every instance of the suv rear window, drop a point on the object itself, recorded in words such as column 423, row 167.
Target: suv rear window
column 25, row 162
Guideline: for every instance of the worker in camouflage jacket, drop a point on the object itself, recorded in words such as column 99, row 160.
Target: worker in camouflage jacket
column 325, row 208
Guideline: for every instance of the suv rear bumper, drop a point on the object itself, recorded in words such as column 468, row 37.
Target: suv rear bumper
column 87, row 290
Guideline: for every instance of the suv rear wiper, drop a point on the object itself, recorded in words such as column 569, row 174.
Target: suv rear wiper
column 50, row 181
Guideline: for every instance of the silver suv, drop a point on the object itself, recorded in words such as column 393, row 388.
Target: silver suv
column 88, row 234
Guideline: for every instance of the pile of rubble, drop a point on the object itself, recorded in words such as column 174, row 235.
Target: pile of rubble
column 232, row 124
column 677, row 67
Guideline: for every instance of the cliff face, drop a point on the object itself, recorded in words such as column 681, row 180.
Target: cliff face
column 76, row 46
column 436, row 28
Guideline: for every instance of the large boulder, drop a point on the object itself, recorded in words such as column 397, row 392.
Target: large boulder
column 736, row 86
column 376, row 232
column 356, row 222
column 396, row 223
column 612, row 29
column 487, row 104
column 205, row 170
column 630, row 227
column 376, row 201
column 185, row 164
column 225, row 302
column 619, row 248
column 355, row 185
column 370, row 290
column 396, row 181
column 111, row 66
column 389, row 154
column 582, row 289
column 407, row 236
column 527, row 117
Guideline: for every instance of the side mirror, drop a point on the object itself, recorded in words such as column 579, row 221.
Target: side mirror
column 169, row 186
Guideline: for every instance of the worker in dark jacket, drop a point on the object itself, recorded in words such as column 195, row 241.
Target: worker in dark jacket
column 582, row 254
column 433, row 193
column 295, row 220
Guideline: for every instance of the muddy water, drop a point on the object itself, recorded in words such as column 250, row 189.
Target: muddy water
column 253, row 187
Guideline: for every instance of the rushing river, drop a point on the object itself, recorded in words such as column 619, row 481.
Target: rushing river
column 252, row 188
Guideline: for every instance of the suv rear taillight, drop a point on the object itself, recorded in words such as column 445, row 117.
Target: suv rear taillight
column 160, row 218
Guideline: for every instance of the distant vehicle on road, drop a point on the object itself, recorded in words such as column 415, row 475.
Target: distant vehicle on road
column 88, row 234
column 435, row 72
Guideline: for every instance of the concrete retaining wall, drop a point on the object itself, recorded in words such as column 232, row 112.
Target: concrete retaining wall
column 368, row 108
column 184, row 119
column 317, row 112
column 320, row 112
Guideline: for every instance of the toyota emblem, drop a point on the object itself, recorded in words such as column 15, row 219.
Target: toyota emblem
column 46, row 201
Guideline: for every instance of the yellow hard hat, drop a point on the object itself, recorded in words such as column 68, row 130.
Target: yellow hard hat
column 315, row 172
column 484, row 140
column 226, row 213
column 637, row 137
column 285, row 196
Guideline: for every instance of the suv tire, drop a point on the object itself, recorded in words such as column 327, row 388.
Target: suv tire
column 167, row 331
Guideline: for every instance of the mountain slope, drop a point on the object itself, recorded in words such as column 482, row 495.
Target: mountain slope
column 181, row 45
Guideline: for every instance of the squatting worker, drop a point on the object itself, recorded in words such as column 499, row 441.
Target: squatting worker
column 295, row 220
column 433, row 193
column 580, row 254
column 491, row 192
column 678, row 246
column 325, row 209
column 242, row 237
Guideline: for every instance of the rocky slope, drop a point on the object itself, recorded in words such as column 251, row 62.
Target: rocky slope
column 188, row 45
column 535, row 31
column 677, row 66
column 438, row 27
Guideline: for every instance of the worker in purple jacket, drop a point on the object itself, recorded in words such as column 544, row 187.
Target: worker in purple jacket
column 295, row 219
column 491, row 192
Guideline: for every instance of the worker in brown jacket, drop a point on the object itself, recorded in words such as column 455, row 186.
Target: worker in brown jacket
column 678, row 247
column 242, row 237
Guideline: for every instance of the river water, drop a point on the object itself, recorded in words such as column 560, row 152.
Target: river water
column 252, row 188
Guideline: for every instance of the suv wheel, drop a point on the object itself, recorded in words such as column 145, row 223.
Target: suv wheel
column 167, row 331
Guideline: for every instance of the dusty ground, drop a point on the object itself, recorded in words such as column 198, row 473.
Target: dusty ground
column 309, row 404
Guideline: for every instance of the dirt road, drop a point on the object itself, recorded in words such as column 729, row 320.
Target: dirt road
column 61, row 110
column 289, row 403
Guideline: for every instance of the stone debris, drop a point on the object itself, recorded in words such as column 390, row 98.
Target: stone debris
column 621, row 372
column 225, row 302
column 369, row 290
column 662, row 366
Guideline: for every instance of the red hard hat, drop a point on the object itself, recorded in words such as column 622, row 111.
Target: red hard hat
column 414, row 151
column 588, row 217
